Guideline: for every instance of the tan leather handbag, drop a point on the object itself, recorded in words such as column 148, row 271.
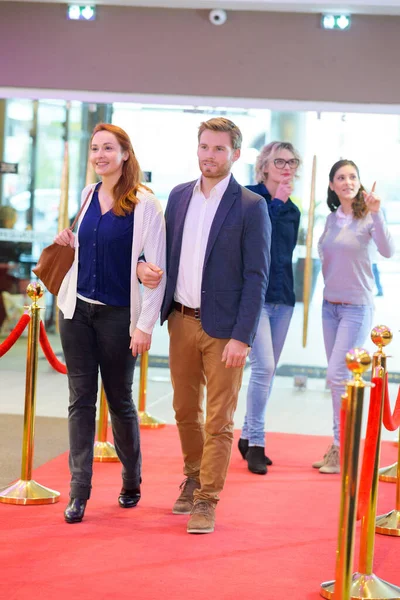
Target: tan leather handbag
column 55, row 260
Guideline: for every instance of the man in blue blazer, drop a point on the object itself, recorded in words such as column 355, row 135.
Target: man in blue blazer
column 218, row 256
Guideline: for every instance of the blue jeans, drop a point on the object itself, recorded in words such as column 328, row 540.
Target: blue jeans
column 268, row 343
column 377, row 277
column 345, row 326
column 98, row 336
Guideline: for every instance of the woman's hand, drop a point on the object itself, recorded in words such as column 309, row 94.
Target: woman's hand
column 372, row 201
column 149, row 274
column 65, row 238
column 140, row 342
column 285, row 188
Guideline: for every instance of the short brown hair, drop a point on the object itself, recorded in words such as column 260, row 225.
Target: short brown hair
column 222, row 124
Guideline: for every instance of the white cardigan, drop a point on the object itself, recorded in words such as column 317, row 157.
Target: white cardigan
column 148, row 238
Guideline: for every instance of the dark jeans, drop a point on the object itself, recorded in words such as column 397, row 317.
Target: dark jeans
column 98, row 336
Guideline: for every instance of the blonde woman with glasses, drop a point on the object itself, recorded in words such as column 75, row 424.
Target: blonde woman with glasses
column 276, row 168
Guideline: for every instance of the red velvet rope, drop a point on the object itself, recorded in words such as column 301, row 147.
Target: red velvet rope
column 48, row 352
column 14, row 335
column 370, row 447
column 391, row 422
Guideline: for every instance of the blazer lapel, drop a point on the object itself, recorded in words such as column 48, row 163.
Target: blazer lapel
column 179, row 218
column 224, row 207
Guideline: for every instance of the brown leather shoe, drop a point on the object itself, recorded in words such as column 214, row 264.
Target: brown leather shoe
column 184, row 503
column 202, row 519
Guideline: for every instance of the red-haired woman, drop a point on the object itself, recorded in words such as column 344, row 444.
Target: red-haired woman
column 104, row 320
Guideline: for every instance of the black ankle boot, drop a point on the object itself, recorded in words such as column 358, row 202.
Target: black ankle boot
column 243, row 446
column 129, row 498
column 256, row 460
column 75, row 510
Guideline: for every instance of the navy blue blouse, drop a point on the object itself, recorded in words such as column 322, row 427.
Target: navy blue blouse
column 285, row 221
column 105, row 255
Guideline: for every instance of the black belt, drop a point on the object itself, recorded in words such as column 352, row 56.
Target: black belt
column 186, row 310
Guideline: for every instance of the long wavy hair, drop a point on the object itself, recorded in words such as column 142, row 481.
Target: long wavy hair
column 127, row 186
column 358, row 205
column 268, row 153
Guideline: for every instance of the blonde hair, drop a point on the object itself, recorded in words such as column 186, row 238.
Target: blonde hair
column 267, row 153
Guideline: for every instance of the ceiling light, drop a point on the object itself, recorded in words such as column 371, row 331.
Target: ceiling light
column 342, row 22
column 81, row 13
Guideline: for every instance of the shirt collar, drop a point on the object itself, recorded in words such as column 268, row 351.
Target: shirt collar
column 342, row 217
column 219, row 189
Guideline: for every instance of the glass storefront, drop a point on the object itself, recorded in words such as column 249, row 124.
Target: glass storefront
column 33, row 134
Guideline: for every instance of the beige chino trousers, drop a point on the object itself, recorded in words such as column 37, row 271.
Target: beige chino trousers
column 196, row 365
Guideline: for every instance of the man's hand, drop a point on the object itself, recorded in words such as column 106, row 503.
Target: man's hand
column 285, row 188
column 235, row 354
column 140, row 342
column 65, row 238
column 149, row 274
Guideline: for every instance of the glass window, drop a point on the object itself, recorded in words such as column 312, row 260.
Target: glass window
column 165, row 140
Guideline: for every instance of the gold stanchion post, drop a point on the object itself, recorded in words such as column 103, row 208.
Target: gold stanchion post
column 26, row 490
column 145, row 419
column 389, row 523
column 358, row 361
column 104, row 451
column 365, row 583
column 389, row 474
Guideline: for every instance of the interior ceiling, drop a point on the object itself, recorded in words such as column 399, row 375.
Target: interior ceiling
column 368, row 7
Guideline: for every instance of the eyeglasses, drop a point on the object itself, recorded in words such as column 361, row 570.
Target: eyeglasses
column 281, row 163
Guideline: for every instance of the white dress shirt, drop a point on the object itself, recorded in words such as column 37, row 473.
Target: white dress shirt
column 199, row 218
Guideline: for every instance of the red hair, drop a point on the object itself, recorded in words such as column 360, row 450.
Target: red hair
column 130, row 181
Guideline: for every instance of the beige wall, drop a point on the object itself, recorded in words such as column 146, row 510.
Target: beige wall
column 171, row 51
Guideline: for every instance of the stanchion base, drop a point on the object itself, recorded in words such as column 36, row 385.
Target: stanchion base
column 28, row 492
column 368, row 587
column 388, row 473
column 389, row 524
column 104, row 452
column 327, row 589
column 149, row 422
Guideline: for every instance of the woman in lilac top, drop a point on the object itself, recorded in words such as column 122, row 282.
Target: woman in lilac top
column 355, row 225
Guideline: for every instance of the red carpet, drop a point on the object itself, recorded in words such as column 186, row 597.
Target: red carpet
column 275, row 535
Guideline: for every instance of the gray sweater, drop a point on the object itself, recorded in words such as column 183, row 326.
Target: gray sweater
column 345, row 256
